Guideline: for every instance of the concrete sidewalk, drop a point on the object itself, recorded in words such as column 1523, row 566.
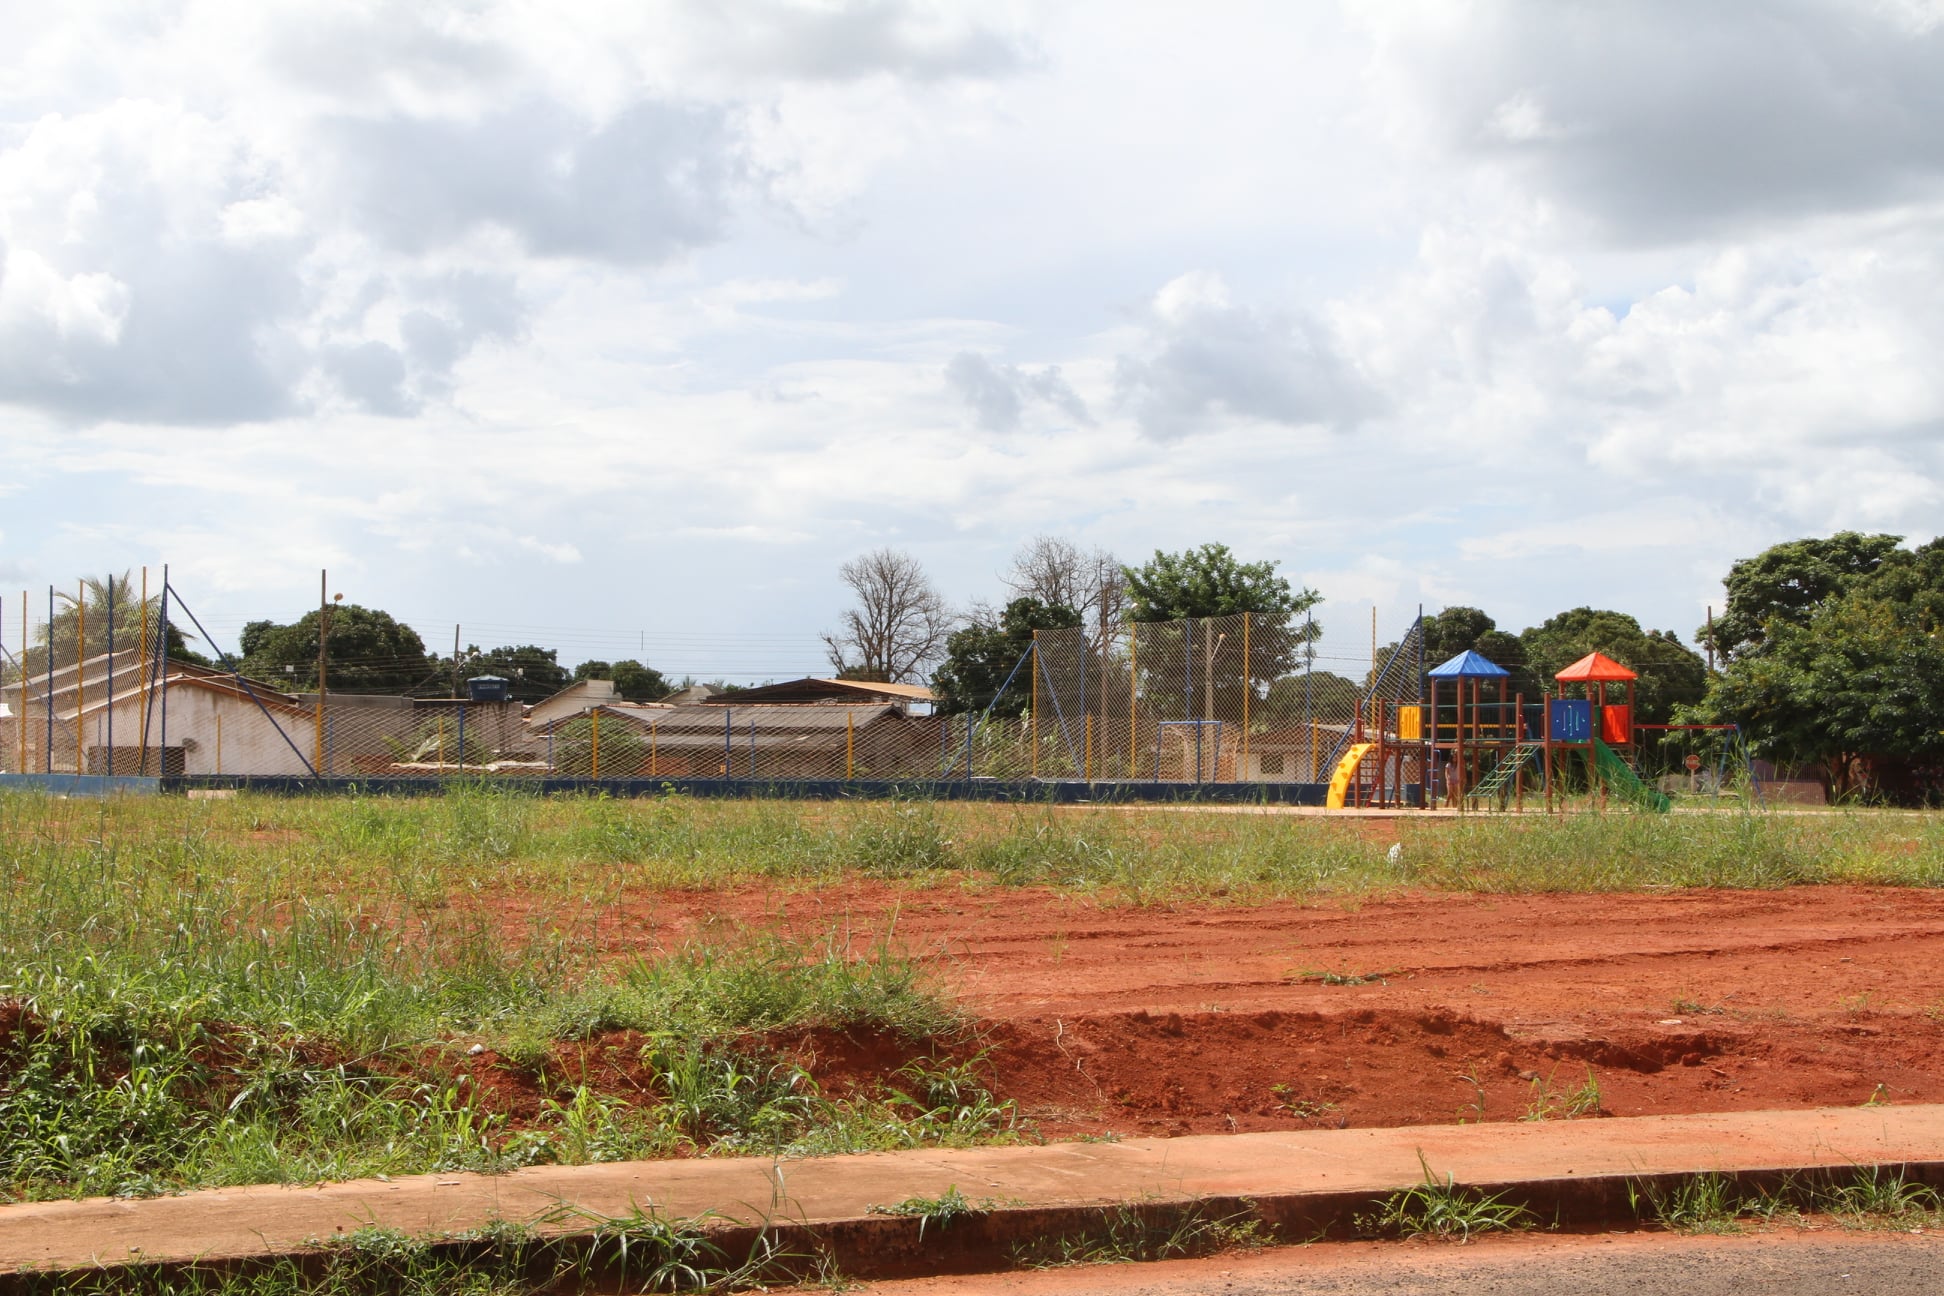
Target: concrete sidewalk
column 1301, row 1181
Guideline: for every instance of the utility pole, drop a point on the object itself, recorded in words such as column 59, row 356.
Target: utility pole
column 1710, row 638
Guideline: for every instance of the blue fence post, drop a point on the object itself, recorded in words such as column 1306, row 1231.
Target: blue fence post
column 727, row 738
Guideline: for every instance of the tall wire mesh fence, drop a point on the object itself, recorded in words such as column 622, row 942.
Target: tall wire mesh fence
column 78, row 682
column 1246, row 698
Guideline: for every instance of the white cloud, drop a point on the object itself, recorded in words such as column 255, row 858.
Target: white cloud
column 653, row 307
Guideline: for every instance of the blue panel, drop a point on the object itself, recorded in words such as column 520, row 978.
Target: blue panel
column 1570, row 719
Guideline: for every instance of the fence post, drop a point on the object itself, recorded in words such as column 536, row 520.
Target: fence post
column 594, row 744
column 163, row 652
column 50, row 679
column 850, row 745
column 654, row 749
column 462, row 738
column 80, row 677
column 111, row 674
column 1035, row 739
column 728, row 737
column 21, row 724
column 1133, row 698
column 1248, row 692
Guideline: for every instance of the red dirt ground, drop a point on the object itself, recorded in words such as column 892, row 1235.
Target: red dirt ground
column 1207, row 1018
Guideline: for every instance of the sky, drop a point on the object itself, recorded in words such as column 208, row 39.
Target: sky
column 619, row 328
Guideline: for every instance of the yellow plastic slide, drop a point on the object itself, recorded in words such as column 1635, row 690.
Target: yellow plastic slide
column 1345, row 771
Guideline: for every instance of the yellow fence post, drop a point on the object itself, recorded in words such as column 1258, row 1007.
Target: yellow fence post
column 1248, row 690
column 441, row 744
column 219, row 744
column 850, row 745
column 594, row 754
column 20, row 725
column 654, row 750
column 80, row 675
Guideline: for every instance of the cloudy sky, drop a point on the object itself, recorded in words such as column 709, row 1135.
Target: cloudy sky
column 619, row 328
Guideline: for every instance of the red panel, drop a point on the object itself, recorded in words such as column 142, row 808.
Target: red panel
column 1616, row 724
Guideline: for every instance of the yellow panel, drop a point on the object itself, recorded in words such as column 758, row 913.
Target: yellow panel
column 1407, row 724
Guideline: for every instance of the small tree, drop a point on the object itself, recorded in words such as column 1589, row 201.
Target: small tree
column 899, row 624
column 632, row 680
column 1059, row 574
column 532, row 672
column 1210, row 582
column 367, row 651
column 978, row 658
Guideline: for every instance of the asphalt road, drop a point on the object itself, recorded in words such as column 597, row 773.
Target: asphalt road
column 1777, row 1263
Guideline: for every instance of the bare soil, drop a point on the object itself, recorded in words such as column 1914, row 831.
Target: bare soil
column 1408, row 1009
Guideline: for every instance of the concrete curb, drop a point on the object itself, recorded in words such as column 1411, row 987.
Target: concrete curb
column 1300, row 1184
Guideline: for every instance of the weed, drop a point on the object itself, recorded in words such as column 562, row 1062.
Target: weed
column 1877, row 1193
column 1300, row 1108
column 1704, row 1203
column 1344, row 978
column 943, row 1210
column 1474, row 1112
column 1145, row 1231
column 1441, row 1209
column 1549, row 1103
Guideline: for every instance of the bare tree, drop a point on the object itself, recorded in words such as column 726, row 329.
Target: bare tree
column 1056, row 571
column 899, row 624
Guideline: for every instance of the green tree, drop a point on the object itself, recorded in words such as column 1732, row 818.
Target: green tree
column 1863, row 676
column 1786, row 583
column 978, row 658
column 65, row 631
column 633, row 681
column 1856, row 672
column 532, row 672
column 1210, row 582
column 366, row 651
column 1670, row 673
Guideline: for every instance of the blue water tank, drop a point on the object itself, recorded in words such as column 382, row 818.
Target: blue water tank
column 488, row 688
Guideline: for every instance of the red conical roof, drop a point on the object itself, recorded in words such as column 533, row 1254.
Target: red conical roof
column 1594, row 668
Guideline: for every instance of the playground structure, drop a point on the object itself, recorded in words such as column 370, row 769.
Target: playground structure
column 1472, row 742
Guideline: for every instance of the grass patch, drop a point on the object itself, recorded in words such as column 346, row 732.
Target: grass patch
column 1440, row 1209
column 1870, row 1197
column 1140, row 1232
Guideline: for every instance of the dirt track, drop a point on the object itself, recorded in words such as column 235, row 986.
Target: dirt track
column 1210, row 1018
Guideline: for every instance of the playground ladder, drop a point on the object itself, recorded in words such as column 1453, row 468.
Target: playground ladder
column 1500, row 777
column 1622, row 777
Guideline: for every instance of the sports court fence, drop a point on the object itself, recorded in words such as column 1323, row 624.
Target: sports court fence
column 1238, row 699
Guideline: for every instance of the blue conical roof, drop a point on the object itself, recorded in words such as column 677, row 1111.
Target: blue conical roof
column 1469, row 665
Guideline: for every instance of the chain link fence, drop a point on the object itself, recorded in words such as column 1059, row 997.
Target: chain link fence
column 79, row 683
column 1237, row 699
